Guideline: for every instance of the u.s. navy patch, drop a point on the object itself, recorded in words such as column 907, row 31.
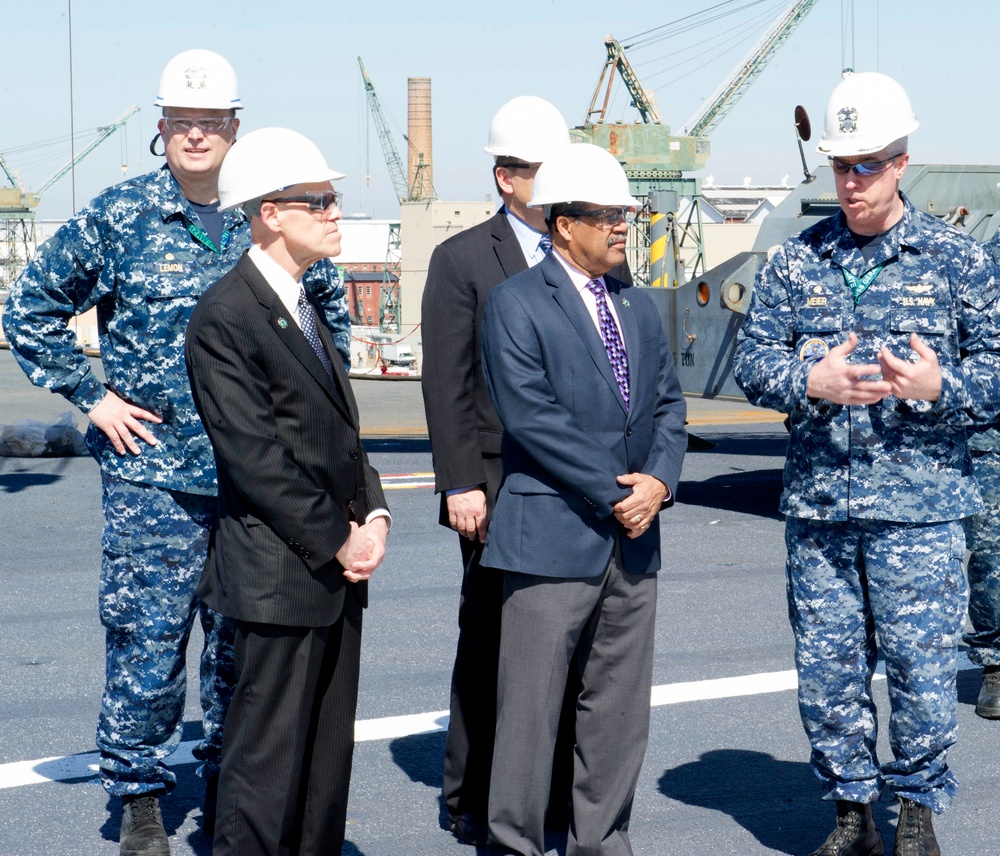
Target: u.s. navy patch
column 813, row 349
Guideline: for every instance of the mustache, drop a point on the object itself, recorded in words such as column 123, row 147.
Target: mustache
column 615, row 240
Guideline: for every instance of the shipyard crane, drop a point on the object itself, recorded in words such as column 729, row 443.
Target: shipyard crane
column 718, row 105
column 644, row 100
column 392, row 160
column 656, row 161
column 17, row 204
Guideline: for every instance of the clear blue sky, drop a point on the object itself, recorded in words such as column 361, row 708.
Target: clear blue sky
column 297, row 64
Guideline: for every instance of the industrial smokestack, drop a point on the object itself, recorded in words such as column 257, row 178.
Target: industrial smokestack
column 419, row 157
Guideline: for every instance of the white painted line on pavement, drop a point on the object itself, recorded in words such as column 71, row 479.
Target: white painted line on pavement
column 742, row 685
column 60, row 769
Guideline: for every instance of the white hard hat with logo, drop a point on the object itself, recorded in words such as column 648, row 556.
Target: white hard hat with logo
column 198, row 79
column 267, row 161
column 581, row 172
column 527, row 127
column 865, row 113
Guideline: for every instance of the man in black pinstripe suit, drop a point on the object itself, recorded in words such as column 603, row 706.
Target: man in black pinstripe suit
column 302, row 517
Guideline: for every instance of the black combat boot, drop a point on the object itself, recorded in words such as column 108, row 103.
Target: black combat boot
column 856, row 833
column 915, row 831
column 988, row 704
column 142, row 827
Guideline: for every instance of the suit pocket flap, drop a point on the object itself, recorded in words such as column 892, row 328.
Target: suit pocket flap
column 523, row 484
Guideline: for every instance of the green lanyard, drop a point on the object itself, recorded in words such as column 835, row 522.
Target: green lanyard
column 201, row 236
column 859, row 285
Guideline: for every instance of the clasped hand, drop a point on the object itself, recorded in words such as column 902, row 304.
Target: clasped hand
column 637, row 511
column 364, row 549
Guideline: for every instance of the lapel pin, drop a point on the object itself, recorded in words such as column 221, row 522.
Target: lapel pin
column 625, row 303
column 282, row 323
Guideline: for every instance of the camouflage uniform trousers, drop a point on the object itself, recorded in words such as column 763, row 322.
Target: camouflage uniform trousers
column 155, row 542
column 850, row 583
column 982, row 532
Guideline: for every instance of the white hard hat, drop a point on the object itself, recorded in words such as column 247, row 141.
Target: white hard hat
column 198, row 79
column 267, row 161
column 527, row 127
column 581, row 172
column 865, row 113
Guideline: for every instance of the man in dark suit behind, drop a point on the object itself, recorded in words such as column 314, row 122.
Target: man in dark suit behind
column 465, row 436
column 302, row 521
column 580, row 371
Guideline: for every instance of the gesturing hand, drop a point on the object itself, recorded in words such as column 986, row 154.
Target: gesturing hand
column 917, row 381
column 834, row 379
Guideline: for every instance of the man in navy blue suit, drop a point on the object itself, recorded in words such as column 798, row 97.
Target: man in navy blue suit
column 580, row 371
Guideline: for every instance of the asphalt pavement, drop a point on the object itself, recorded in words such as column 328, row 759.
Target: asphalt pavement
column 726, row 771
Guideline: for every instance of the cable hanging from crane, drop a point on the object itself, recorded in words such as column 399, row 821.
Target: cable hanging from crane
column 710, row 49
column 686, row 24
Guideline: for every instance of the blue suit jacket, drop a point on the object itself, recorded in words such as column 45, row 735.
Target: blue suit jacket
column 567, row 433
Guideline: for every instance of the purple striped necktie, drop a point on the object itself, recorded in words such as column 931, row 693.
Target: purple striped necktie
column 612, row 339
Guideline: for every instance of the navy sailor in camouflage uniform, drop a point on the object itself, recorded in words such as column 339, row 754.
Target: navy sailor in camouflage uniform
column 982, row 534
column 877, row 332
column 142, row 252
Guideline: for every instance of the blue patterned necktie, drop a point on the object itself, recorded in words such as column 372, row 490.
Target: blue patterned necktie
column 307, row 321
column 612, row 339
column 545, row 244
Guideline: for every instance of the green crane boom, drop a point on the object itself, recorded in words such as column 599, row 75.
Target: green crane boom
column 392, row 159
column 12, row 176
column 644, row 101
column 715, row 109
column 103, row 133
column 24, row 200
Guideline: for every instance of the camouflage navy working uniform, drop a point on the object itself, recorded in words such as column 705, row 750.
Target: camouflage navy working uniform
column 138, row 253
column 982, row 533
column 874, row 495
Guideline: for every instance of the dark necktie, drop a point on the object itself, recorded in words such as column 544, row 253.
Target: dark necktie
column 612, row 339
column 307, row 321
column 545, row 244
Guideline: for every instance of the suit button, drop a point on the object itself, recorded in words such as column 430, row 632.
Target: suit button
column 628, row 432
column 354, row 456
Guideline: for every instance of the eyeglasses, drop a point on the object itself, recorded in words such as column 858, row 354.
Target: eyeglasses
column 316, row 201
column 863, row 169
column 519, row 165
column 606, row 218
column 207, row 124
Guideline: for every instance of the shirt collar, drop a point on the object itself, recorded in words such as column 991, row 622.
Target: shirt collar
column 577, row 276
column 527, row 236
column 280, row 280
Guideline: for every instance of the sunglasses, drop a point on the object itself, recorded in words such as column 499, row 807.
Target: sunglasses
column 865, row 169
column 316, row 201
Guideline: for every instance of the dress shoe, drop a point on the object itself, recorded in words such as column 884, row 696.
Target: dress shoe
column 209, row 806
column 915, row 831
column 469, row 828
column 142, row 831
column 855, row 834
column 988, row 703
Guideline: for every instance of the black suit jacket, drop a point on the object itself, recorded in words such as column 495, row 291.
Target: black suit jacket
column 463, row 424
column 292, row 471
